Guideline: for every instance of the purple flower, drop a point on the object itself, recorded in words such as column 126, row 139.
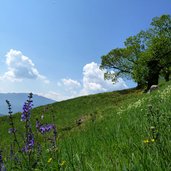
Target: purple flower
column 11, row 130
column 29, row 144
column 2, row 167
column 45, row 128
column 37, row 123
column 26, row 111
column 1, row 161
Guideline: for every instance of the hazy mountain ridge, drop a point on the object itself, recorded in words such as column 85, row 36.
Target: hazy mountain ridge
column 17, row 100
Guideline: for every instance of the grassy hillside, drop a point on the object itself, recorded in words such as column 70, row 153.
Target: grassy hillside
column 66, row 113
column 123, row 130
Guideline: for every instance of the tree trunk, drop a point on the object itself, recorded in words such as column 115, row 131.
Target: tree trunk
column 153, row 80
column 154, row 71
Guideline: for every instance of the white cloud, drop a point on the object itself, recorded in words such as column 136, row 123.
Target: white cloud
column 93, row 81
column 71, row 84
column 21, row 67
column 70, row 89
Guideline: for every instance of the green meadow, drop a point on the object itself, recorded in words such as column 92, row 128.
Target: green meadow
column 124, row 130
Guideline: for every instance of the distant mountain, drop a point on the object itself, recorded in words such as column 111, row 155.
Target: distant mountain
column 17, row 100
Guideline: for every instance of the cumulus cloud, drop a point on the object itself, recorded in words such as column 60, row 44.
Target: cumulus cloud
column 21, row 67
column 71, row 84
column 93, row 80
column 70, row 88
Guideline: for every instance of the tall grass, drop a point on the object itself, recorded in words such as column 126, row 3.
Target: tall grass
column 134, row 137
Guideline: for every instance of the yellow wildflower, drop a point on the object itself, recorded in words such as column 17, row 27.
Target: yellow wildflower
column 153, row 140
column 146, row 141
column 50, row 159
column 62, row 163
column 149, row 141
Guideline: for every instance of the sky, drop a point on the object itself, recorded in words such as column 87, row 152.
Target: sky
column 53, row 47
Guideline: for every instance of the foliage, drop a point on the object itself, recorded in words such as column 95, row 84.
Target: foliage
column 145, row 56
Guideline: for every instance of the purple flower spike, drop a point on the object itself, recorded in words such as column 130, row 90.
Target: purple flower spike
column 37, row 123
column 2, row 167
column 1, row 161
column 26, row 111
column 29, row 144
column 44, row 128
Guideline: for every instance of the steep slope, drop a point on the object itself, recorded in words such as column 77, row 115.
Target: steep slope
column 66, row 113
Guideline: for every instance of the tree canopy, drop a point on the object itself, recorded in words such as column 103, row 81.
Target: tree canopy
column 145, row 56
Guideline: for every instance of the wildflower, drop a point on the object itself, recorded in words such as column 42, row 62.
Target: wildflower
column 26, row 111
column 38, row 124
column 153, row 140
column 149, row 141
column 45, row 128
column 11, row 130
column 62, row 163
column 146, row 141
column 27, row 108
column 1, row 161
column 2, row 167
column 29, row 144
column 9, row 106
column 49, row 160
column 42, row 116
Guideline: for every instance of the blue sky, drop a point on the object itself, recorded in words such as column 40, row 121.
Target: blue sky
column 54, row 47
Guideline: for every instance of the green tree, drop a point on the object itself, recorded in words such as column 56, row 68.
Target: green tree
column 121, row 62
column 160, row 51
column 117, row 61
column 161, row 43
column 145, row 56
